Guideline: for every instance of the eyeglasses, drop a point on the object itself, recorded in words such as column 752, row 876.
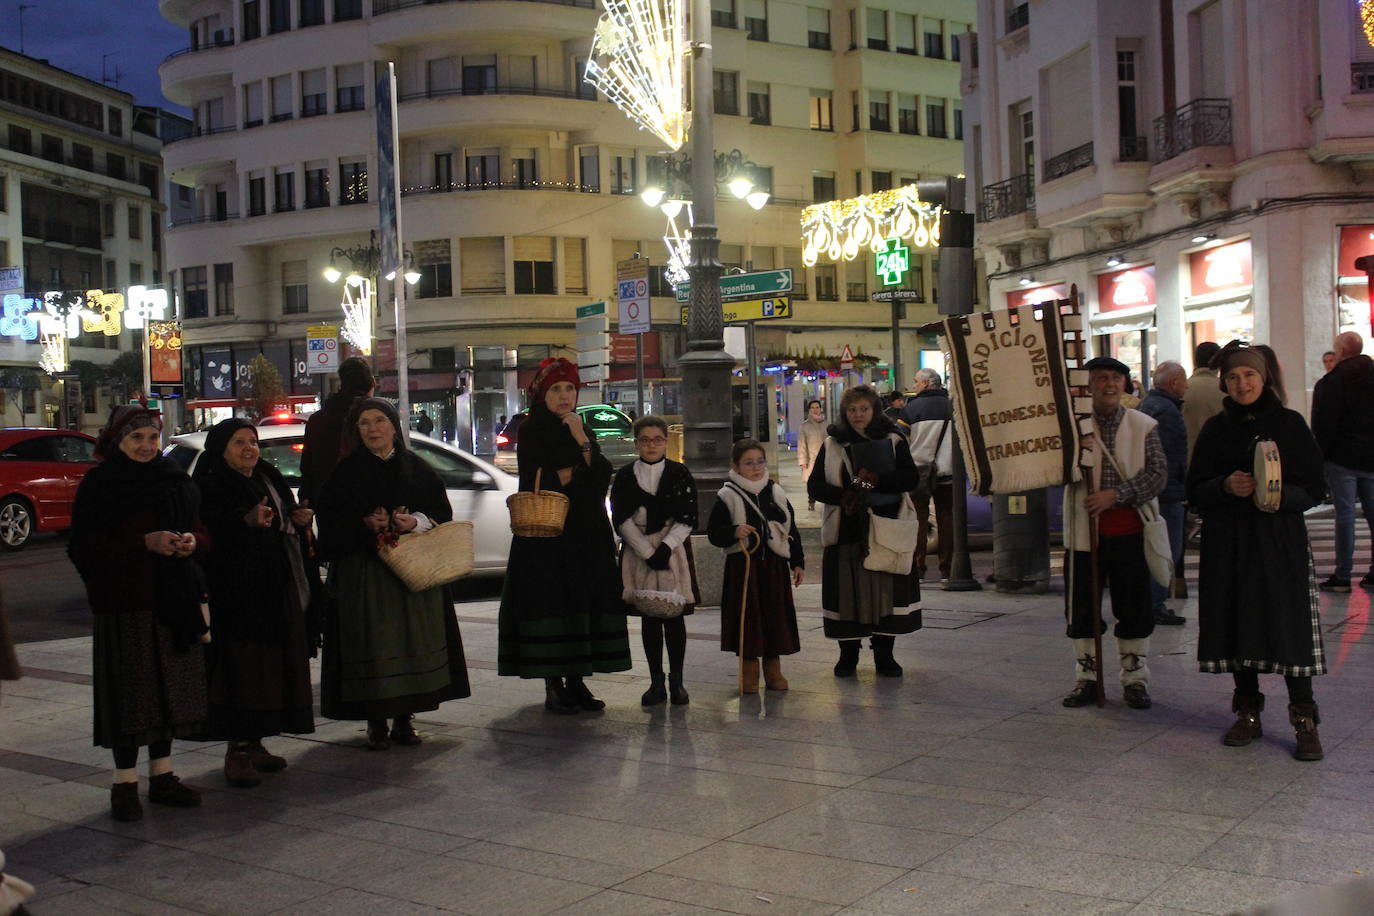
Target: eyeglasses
column 759, row 463
column 656, row 440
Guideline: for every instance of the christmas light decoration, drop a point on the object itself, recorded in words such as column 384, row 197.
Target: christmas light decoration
column 1367, row 20
column 102, row 313
column 677, row 240
column 357, row 309
column 142, row 305
column 639, row 60
column 840, row 229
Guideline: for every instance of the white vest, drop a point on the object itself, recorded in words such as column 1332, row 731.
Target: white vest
column 1130, row 454
column 837, row 470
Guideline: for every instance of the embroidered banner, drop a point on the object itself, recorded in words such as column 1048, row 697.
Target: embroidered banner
column 1009, row 384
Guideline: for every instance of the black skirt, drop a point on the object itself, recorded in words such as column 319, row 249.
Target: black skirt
column 770, row 616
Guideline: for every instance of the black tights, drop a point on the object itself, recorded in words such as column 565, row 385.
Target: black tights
column 1299, row 688
column 655, row 632
column 126, row 755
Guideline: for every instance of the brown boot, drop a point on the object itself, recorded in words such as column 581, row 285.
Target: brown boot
column 1247, row 725
column 1305, row 719
column 772, row 673
column 749, row 680
column 264, row 761
column 239, row 771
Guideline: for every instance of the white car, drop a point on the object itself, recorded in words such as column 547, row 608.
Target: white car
column 477, row 490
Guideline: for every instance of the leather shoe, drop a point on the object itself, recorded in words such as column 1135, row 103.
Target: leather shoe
column 1084, row 693
column 239, row 771
column 1166, row 617
column 1136, row 696
column 403, row 731
column 656, row 693
column 264, row 761
column 581, row 694
column 124, row 803
column 377, row 737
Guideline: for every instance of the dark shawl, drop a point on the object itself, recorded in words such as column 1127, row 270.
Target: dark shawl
column 324, row 441
column 676, row 499
column 361, row 483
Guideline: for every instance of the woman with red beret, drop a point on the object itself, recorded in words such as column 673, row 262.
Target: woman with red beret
column 561, row 613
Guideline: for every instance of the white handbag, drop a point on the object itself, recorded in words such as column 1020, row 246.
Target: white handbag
column 892, row 541
column 1159, row 554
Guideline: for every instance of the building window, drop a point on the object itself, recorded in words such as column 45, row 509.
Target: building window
column 115, row 120
column 935, row 39
column 316, row 185
column 825, row 283
column 479, row 76
column 906, row 114
column 954, row 34
column 353, row 181
column 252, row 104
column 526, row 167
column 581, row 88
column 21, row 140
column 589, row 169
column 252, row 19
column 759, row 107
column 904, row 33
column 281, row 99
column 856, row 275
column 1023, row 135
column 295, row 291
column 821, row 110
column 52, row 149
column 483, row 169
column 194, row 295
column 348, row 96
column 135, row 273
column 484, row 265
column 257, row 195
column 622, row 173
column 818, row 28
column 935, row 119
column 147, row 176
column 723, row 14
column 107, row 220
column 877, row 29
column 311, row 13
column 313, row 95
column 534, row 278
column 347, row 9
column 135, row 222
column 879, row 112
column 958, row 123
column 224, row 289
column 434, row 262
column 278, row 16
column 725, row 86
column 755, row 20
column 822, row 187
column 115, row 166
column 284, row 182
column 443, row 172
column 1127, row 115
column 882, row 181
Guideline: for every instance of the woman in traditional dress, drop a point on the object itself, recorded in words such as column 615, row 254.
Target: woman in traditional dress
column 135, row 530
column 752, row 513
column 389, row 652
column 1257, row 591
column 864, row 464
column 654, row 508
column 259, row 658
column 562, row 617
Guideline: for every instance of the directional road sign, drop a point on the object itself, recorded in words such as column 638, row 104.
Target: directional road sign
column 741, row 310
column 747, row 286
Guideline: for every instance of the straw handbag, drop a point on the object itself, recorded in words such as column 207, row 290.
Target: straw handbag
column 539, row 514
column 434, row 557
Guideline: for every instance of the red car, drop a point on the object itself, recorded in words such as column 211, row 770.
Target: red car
column 40, row 470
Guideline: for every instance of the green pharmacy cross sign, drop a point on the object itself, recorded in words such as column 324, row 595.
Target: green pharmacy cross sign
column 893, row 262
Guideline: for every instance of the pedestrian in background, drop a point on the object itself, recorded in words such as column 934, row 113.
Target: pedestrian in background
column 1257, row 593
column 810, row 438
column 928, row 416
column 752, row 513
column 865, row 464
column 654, row 509
column 562, row 617
column 1329, row 360
column 324, row 431
column 1202, row 400
column 1164, row 403
column 259, row 659
column 388, row 652
column 1343, row 423
column 135, row 534
column 896, row 408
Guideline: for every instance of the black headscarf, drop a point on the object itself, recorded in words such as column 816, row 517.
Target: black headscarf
column 352, row 441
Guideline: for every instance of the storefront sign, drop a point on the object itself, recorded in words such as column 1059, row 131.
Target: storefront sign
column 1017, row 298
column 1224, row 269
column 892, row 262
column 1133, row 288
column 218, row 380
column 164, row 347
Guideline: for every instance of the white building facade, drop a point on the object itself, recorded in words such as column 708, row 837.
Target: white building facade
column 1199, row 169
column 520, row 183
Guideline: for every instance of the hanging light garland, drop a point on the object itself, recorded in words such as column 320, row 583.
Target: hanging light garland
column 639, row 60
column 840, row 229
column 677, row 240
column 1367, row 20
column 357, row 309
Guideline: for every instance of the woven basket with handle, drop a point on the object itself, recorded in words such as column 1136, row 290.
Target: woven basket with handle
column 435, row 557
column 539, row 514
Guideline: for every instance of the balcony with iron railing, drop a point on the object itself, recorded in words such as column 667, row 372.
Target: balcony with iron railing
column 1018, row 17
column 1201, row 122
column 224, row 41
column 1065, row 163
column 1133, row 149
column 1007, row 198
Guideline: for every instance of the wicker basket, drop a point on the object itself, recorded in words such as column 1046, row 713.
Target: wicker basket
column 539, row 514
column 434, row 557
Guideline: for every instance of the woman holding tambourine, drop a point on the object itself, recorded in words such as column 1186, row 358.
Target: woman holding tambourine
column 1255, row 469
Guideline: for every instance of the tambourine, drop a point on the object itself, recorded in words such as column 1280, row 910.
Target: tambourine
column 1268, row 476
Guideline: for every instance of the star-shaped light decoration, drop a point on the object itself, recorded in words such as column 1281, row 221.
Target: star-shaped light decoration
column 639, row 60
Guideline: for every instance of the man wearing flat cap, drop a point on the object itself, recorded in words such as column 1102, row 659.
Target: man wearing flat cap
column 1129, row 468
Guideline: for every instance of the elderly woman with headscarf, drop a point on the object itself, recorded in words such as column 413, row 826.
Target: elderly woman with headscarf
column 135, row 533
column 388, row 652
column 259, row 659
column 865, row 464
column 1257, row 588
column 562, row 617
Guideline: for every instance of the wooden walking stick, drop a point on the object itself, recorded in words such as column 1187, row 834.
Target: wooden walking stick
column 1095, row 578
column 753, row 539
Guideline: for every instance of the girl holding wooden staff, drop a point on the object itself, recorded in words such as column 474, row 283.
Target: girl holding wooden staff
column 1257, row 591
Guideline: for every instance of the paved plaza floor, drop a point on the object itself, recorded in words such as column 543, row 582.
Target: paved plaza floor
column 964, row 787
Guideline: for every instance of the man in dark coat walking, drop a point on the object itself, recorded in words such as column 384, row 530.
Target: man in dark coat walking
column 1343, row 423
column 928, row 414
column 324, row 429
column 1164, row 403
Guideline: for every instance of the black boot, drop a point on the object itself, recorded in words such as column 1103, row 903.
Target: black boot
column 849, row 658
column 676, row 691
column 124, row 803
column 1247, row 727
column 1305, row 719
column 580, row 694
column 166, row 789
column 378, row 739
column 557, row 699
column 656, row 693
column 403, row 731
column 883, row 661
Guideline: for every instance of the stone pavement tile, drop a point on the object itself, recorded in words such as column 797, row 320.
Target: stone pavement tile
column 1319, row 812
column 955, row 793
column 880, row 844
column 975, row 774
column 1215, row 800
column 18, row 707
column 643, row 848
column 1064, row 830
column 1150, row 909
column 95, row 900
column 550, row 865
column 67, row 802
column 392, row 835
column 346, row 901
column 1045, row 756
column 722, row 897
column 1288, row 859
column 933, row 894
column 454, row 814
column 1068, row 871
column 1299, row 833
column 1109, row 811
column 478, row 889
column 200, row 882
column 17, row 828
column 1318, row 780
column 1203, row 890
column 1084, row 735
column 619, row 903
column 944, row 815
column 770, row 871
